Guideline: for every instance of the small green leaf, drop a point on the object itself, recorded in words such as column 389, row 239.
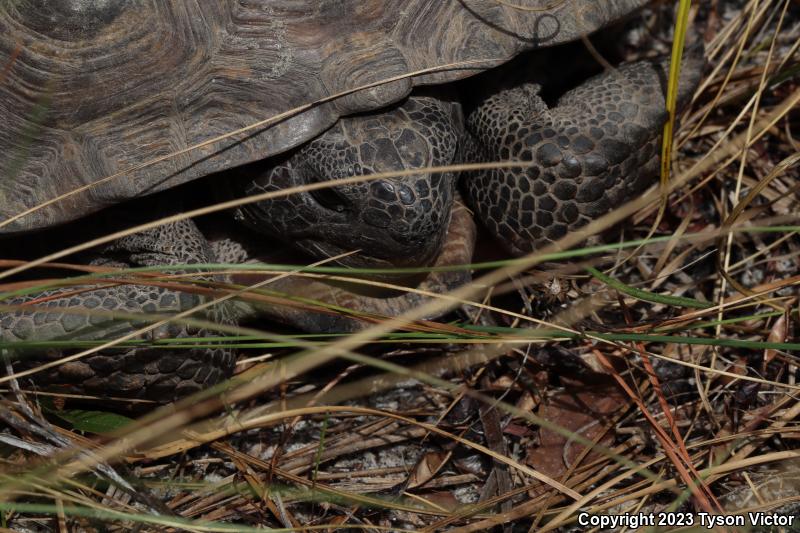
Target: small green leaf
column 94, row 421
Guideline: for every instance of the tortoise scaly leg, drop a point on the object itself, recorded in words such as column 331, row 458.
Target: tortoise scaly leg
column 594, row 151
column 158, row 374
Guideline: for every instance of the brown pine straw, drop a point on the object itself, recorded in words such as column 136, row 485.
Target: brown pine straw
column 675, row 450
column 700, row 490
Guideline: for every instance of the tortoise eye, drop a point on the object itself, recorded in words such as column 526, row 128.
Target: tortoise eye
column 329, row 198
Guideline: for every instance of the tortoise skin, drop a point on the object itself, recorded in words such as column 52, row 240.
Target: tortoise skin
column 394, row 221
column 164, row 375
column 594, row 151
column 89, row 89
column 150, row 373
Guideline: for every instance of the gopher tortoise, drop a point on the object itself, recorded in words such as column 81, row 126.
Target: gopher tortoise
column 107, row 101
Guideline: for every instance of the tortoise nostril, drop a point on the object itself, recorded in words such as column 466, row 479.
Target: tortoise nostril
column 329, row 198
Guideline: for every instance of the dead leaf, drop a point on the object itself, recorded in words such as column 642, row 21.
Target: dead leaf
column 427, row 467
column 517, row 430
column 526, row 402
column 778, row 333
column 580, row 408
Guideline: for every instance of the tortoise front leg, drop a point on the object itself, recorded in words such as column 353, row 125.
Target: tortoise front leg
column 595, row 150
column 87, row 313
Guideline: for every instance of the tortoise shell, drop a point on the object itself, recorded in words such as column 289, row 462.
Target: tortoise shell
column 127, row 89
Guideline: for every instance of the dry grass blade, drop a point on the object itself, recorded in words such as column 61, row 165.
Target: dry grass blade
column 534, row 9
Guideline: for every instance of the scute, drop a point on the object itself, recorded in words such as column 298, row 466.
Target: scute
column 71, row 20
column 103, row 86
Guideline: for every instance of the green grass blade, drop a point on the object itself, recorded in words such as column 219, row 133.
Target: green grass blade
column 639, row 294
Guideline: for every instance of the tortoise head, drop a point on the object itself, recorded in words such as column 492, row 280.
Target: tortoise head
column 391, row 221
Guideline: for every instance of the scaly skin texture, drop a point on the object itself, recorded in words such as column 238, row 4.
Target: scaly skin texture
column 393, row 221
column 594, row 151
column 235, row 247
column 143, row 373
